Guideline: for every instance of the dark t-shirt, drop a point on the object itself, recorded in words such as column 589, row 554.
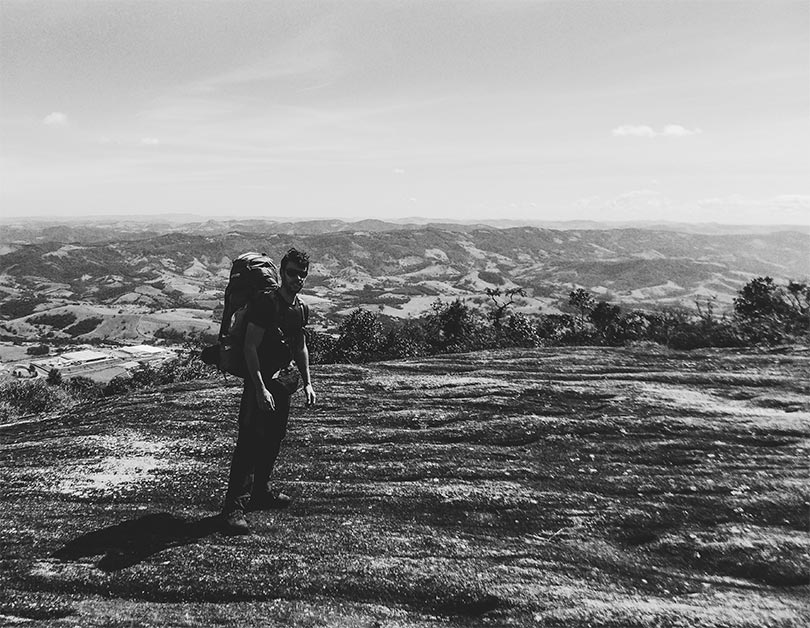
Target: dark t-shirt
column 283, row 325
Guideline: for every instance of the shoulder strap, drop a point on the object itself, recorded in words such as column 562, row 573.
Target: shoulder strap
column 304, row 314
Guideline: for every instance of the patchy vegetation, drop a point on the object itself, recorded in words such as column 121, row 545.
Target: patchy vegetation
column 536, row 487
column 765, row 313
column 84, row 326
column 33, row 396
column 57, row 321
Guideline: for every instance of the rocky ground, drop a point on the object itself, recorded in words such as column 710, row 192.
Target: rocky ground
column 551, row 487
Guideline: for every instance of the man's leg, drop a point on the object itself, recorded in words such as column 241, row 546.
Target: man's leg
column 240, row 481
column 273, row 433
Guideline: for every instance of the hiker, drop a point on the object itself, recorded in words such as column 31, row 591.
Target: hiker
column 274, row 338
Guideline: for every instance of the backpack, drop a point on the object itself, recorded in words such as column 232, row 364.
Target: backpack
column 251, row 273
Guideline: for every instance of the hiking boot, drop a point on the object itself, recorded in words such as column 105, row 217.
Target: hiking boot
column 272, row 500
column 234, row 523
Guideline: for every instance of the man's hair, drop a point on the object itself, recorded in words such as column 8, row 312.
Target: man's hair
column 296, row 257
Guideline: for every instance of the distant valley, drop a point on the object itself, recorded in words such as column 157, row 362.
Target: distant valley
column 133, row 282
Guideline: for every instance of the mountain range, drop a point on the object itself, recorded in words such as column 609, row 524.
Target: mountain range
column 136, row 278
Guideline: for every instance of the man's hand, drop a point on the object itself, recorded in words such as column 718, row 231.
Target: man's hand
column 309, row 391
column 265, row 399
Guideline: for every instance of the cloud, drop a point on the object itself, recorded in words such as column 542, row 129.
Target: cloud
column 676, row 130
column 669, row 130
column 399, row 171
column 57, row 118
column 634, row 130
column 150, row 141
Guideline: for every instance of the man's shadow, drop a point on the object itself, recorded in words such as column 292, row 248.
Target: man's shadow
column 130, row 542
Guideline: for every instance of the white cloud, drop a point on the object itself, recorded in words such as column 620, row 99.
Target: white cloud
column 57, row 118
column 399, row 171
column 150, row 141
column 676, row 130
column 634, row 130
column 669, row 130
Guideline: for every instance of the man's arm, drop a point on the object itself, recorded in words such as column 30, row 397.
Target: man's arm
column 253, row 338
column 301, row 357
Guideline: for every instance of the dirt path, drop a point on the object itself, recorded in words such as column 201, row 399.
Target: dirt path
column 565, row 487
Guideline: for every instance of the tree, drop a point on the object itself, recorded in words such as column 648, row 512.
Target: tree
column 455, row 327
column 582, row 300
column 758, row 298
column 607, row 320
column 520, row 332
column 767, row 312
column 502, row 305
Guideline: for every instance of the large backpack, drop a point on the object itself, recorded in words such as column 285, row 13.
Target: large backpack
column 251, row 273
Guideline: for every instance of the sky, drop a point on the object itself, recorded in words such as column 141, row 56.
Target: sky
column 476, row 110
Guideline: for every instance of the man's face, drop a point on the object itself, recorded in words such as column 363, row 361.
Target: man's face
column 292, row 277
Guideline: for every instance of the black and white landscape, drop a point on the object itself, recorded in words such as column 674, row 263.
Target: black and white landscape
column 559, row 301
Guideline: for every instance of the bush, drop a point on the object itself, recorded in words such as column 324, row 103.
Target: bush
column 457, row 328
column 519, row 332
column 361, row 338
column 38, row 350
column 767, row 313
column 21, row 397
column 118, row 385
column 406, row 340
column 83, row 388
column 185, row 367
column 321, row 347
column 54, row 377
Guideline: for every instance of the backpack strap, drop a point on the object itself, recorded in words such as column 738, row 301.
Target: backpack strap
column 304, row 314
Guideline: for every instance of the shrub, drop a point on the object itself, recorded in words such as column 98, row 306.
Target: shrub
column 321, row 347
column 20, row 397
column 83, row 388
column 556, row 329
column 769, row 313
column 118, row 385
column 54, row 377
column 361, row 338
column 185, row 367
column 143, row 376
column 456, row 327
column 519, row 332
column 38, row 350
column 406, row 340
column 607, row 320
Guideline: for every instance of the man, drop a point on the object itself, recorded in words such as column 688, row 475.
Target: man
column 274, row 337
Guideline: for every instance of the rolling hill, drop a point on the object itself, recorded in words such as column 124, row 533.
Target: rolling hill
column 399, row 272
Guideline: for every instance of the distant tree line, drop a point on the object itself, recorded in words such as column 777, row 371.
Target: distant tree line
column 764, row 313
